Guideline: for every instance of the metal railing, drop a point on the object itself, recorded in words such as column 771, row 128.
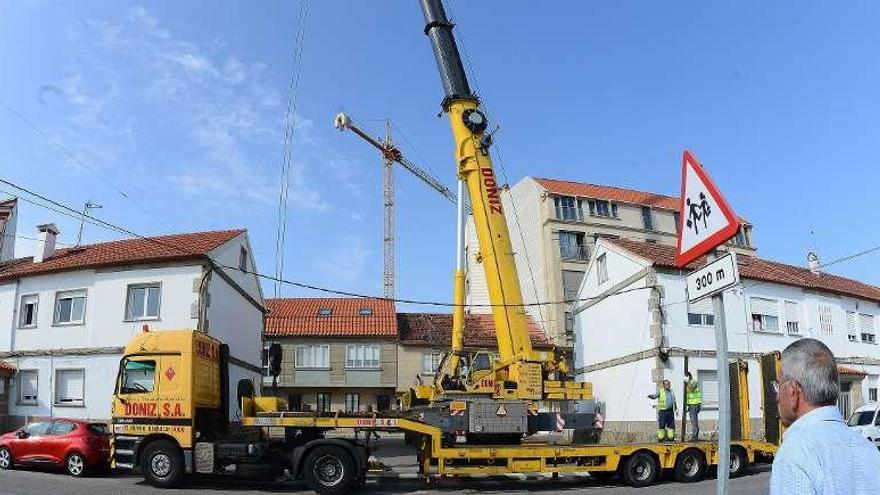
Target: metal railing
column 574, row 252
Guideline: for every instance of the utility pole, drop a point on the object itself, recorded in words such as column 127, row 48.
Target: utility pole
column 722, row 480
column 89, row 206
column 391, row 155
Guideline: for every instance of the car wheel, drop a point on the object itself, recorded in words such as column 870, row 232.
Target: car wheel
column 5, row 458
column 329, row 470
column 162, row 464
column 75, row 465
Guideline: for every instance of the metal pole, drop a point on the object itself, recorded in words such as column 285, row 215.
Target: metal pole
column 684, row 393
column 721, row 485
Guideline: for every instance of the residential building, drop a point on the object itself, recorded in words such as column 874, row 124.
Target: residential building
column 554, row 225
column 637, row 329
column 339, row 354
column 66, row 314
column 425, row 337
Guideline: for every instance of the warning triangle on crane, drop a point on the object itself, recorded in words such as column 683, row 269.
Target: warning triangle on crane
column 706, row 220
column 501, row 411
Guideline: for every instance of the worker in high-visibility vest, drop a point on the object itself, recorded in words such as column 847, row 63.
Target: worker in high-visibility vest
column 667, row 409
column 693, row 399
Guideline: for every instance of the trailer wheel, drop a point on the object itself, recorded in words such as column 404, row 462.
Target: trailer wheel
column 329, row 470
column 739, row 461
column 690, row 466
column 640, row 470
column 162, row 464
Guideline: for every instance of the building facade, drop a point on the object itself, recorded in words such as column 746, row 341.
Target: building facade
column 66, row 314
column 339, row 354
column 426, row 337
column 554, row 226
column 638, row 328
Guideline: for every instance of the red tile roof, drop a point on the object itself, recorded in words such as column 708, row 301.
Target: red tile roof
column 299, row 317
column 609, row 193
column 760, row 269
column 174, row 247
column 846, row 370
column 435, row 329
column 6, row 369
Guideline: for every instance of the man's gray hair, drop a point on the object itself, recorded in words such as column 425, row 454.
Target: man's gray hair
column 811, row 364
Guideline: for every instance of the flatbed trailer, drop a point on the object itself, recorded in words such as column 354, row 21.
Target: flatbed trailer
column 637, row 464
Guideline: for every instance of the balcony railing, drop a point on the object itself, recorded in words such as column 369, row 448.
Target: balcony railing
column 580, row 253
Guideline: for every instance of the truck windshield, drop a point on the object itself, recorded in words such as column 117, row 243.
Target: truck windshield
column 138, row 377
column 861, row 418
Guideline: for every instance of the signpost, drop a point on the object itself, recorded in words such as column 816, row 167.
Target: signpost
column 707, row 221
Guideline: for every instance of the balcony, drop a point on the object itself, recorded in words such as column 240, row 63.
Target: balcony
column 577, row 253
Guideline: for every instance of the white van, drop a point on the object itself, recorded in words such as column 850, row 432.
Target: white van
column 866, row 421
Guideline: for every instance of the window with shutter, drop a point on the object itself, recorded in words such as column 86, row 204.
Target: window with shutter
column 708, row 380
column 69, row 387
column 701, row 312
column 851, row 330
column 826, row 324
column 765, row 314
column 571, row 282
column 792, row 317
column 866, row 327
column 27, row 387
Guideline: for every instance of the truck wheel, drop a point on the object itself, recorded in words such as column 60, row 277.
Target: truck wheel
column 640, row 470
column 690, row 466
column 162, row 464
column 6, row 458
column 329, row 470
column 739, row 461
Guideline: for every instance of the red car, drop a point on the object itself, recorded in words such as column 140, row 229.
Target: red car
column 77, row 446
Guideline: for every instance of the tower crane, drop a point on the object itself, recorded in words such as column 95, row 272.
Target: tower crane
column 391, row 155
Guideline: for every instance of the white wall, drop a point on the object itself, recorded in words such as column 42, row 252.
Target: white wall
column 623, row 390
column 100, row 374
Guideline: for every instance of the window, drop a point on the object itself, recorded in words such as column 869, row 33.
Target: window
column 70, row 307
column 143, row 302
column 27, row 387
column 825, row 322
column 243, row 259
column 69, row 387
column 365, row 311
column 61, row 428
column 677, row 219
column 431, row 362
column 872, row 394
column 100, row 429
column 708, row 380
column 866, row 327
column 602, row 269
column 265, row 355
column 851, row 331
column 646, row 218
column 323, row 402
column 600, row 208
column 27, row 316
column 566, row 208
column 571, row 245
column 312, row 356
column 792, row 318
column 569, row 323
column 571, row 283
column 701, row 313
column 39, row 428
column 765, row 315
column 138, row 377
column 325, row 311
column 362, row 356
column 740, row 238
column 352, row 403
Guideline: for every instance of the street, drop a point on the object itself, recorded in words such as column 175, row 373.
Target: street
column 28, row 482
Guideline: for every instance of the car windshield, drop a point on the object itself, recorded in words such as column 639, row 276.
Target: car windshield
column 99, row 428
column 861, row 418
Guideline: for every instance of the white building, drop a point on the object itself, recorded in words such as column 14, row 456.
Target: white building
column 637, row 329
column 66, row 314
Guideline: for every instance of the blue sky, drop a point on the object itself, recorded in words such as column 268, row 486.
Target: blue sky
column 181, row 106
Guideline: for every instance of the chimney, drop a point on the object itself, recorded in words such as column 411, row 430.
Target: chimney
column 46, row 242
column 813, row 262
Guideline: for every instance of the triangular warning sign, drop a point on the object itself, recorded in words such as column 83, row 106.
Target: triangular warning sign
column 501, row 411
column 706, row 220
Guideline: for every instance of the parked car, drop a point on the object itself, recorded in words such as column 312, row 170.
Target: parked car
column 866, row 421
column 76, row 446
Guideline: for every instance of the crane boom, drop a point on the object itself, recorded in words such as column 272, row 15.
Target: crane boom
column 520, row 373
